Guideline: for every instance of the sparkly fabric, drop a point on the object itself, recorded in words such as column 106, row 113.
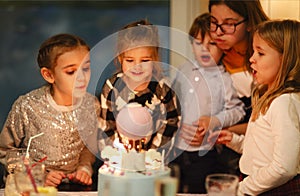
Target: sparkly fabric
column 65, row 129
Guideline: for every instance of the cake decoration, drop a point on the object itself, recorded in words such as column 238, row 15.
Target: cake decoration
column 127, row 164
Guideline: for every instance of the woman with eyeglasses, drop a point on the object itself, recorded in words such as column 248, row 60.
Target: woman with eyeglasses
column 231, row 26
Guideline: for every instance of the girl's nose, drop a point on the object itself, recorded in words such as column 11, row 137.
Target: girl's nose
column 251, row 60
column 80, row 75
column 138, row 64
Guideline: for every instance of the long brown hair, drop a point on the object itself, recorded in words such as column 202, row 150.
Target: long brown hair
column 248, row 9
column 283, row 36
column 57, row 45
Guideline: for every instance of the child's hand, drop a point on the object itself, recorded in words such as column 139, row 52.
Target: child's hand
column 54, row 178
column 220, row 137
column 207, row 123
column 191, row 134
column 80, row 177
column 202, row 124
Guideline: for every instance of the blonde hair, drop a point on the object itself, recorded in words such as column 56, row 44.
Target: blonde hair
column 283, row 36
column 139, row 34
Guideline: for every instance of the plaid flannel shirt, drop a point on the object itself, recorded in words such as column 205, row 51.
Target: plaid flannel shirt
column 158, row 97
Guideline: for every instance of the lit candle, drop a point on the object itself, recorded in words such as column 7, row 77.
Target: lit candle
column 163, row 160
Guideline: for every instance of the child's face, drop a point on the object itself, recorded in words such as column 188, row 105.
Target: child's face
column 137, row 64
column 222, row 14
column 265, row 61
column 71, row 75
column 206, row 51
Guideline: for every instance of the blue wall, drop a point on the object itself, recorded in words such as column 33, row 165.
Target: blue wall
column 24, row 26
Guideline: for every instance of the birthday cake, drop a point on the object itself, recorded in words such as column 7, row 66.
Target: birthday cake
column 130, row 169
column 130, row 172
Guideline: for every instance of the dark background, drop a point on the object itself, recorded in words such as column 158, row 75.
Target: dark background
column 26, row 24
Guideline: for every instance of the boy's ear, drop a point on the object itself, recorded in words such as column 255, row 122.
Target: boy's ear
column 47, row 75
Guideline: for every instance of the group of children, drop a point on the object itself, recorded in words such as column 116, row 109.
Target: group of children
column 70, row 117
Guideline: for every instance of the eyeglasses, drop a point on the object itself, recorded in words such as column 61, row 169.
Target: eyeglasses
column 226, row 28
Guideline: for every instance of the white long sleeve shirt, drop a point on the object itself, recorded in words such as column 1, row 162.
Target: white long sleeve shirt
column 271, row 146
column 206, row 91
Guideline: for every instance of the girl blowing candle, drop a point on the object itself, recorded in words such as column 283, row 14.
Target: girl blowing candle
column 271, row 147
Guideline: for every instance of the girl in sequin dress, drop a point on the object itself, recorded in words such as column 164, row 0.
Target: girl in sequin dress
column 62, row 110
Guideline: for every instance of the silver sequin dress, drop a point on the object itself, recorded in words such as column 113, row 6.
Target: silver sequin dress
column 66, row 130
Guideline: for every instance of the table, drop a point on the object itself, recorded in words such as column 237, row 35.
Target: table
column 95, row 193
column 92, row 193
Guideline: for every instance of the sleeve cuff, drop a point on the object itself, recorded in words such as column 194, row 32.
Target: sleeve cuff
column 86, row 169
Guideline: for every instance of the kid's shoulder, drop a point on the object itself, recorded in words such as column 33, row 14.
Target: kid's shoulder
column 165, row 83
column 111, row 80
column 91, row 103
column 91, row 97
column 287, row 98
column 33, row 96
column 164, row 88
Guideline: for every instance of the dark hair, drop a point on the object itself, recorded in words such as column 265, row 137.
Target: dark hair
column 248, row 9
column 200, row 24
column 57, row 45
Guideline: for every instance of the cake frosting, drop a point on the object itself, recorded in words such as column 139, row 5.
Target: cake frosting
column 130, row 169
column 130, row 172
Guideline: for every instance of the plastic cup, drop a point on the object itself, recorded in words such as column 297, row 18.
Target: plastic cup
column 28, row 177
column 221, row 184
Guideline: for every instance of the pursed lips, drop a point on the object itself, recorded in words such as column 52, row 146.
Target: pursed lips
column 219, row 40
column 205, row 58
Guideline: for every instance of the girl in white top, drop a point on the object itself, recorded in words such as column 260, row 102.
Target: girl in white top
column 271, row 147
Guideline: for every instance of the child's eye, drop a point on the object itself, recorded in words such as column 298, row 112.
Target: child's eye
column 197, row 42
column 145, row 60
column 260, row 53
column 129, row 60
column 70, row 72
column 86, row 69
